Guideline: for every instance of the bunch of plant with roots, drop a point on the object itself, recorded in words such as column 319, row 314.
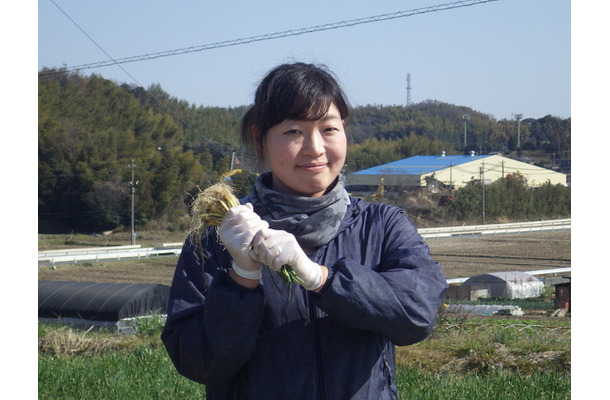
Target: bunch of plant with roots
column 209, row 208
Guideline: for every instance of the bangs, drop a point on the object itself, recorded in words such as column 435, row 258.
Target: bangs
column 293, row 91
column 307, row 99
column 308, row 108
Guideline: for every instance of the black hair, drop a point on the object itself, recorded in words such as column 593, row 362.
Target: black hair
column 295, row 91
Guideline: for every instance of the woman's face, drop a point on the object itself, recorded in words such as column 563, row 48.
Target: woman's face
column 306, row 157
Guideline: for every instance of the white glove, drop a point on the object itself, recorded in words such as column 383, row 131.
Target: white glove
column 236, row 232
column 276, row 248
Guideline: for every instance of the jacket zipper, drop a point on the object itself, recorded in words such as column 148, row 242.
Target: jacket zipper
column 318, row 348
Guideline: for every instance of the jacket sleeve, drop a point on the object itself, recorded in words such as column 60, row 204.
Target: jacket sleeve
column 212, row 322
column 400, row 297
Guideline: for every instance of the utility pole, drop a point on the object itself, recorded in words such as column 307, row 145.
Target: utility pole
column 451, row 176
column 482, row 173
column 408, row 89
column 133, row 184
column 465, row 117
column 232, row 161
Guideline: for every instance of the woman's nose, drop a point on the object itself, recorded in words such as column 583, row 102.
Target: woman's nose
column 314, row 143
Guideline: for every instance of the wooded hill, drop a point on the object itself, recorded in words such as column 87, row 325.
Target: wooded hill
column 90, row 129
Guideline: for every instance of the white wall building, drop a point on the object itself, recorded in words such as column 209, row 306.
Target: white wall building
column 448, row 171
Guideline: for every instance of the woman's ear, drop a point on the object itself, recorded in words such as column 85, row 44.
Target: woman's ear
column 257, row 139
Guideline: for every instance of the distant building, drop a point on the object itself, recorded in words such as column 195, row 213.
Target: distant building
column 506, row 284
column 450, row 172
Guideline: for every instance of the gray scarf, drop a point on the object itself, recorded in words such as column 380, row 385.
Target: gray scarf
column 314, row 221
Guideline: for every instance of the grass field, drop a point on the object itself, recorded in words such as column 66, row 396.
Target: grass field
column 475, row 359
column 465, row 358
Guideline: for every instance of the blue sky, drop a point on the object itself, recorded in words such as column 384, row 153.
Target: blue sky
column 499, row 58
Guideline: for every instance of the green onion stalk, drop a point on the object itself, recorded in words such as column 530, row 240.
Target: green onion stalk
column 209, row 208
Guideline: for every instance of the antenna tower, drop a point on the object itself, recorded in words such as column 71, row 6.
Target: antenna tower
column 408, row 89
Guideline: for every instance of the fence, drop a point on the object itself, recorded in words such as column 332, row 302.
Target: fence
column 497, row 229
column 53, row 257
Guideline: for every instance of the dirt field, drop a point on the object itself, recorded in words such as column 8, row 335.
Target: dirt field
column 459, row 257
column 465, row 257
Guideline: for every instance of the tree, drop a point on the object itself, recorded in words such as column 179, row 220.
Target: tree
column 89, row 131
column 90, row 128
column 109, row 202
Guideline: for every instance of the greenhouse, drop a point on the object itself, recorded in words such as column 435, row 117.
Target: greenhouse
column 507, row 285
column 99, row 304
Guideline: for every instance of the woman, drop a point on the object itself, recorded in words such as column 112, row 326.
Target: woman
column 368, row 282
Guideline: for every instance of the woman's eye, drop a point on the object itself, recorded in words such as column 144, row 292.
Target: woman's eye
column 292, row 132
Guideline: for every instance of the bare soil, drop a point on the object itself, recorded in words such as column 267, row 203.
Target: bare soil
column 459, row 257
column 465, row 257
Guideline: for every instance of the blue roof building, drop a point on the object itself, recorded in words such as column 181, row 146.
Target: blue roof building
column 446, row 171
column 418, row 165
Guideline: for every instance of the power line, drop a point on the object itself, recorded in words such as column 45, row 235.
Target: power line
column 113, row 61
column 94, row 42
column 275, row 35
column 342, row 24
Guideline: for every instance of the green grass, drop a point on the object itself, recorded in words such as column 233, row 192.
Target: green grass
column 74, row 364
column 147, row 373
column 420, row 385
column 142, row 373
column 461, row 360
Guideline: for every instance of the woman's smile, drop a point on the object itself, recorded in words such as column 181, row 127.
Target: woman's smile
column 306, row 157
column 313, row 167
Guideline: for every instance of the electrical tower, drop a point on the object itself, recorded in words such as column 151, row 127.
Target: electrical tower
column 518, row 117
column 408, row 89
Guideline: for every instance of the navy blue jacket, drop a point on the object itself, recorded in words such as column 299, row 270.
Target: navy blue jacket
column 383, row 290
